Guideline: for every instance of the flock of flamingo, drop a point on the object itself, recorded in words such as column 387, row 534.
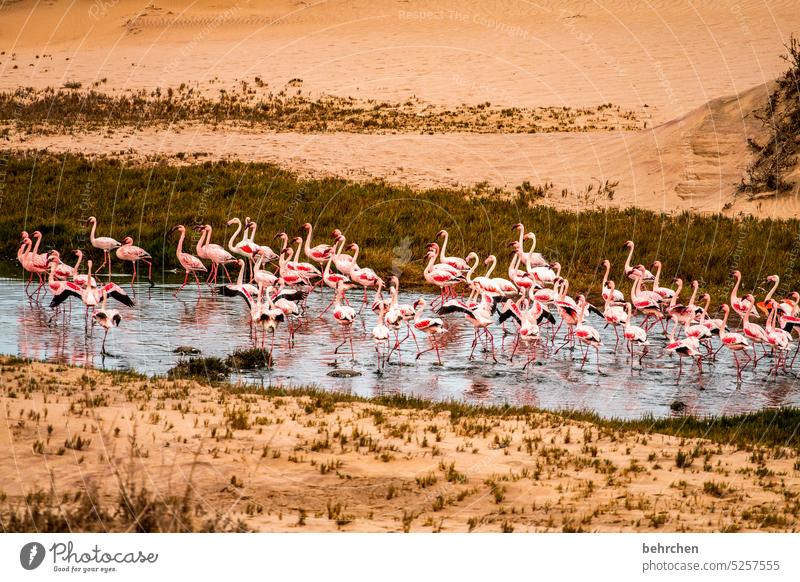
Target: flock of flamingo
column 525, row 303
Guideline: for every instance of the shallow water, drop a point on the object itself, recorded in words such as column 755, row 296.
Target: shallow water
column 216, row 325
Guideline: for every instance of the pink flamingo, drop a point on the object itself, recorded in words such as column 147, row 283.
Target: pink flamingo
column 189, row 262
column 587, row 334
column 131, row 253
column 107, row 319
column 686, row 347
column 432, row 326
column 607, row 286
column 443, row 276
column 104, row 243
column 630, row 270
column 320, row 253
column 530, row 258
column 342, row 261
column 32, row 261
column 635, row 335
column 364, row 277
column 740, row 306
column 735, row 342
column 479, row 316
column 752, row 331
column 344, row 315
column 614, row 314
column 217, row 254
column 665, row 292
column 455, row 262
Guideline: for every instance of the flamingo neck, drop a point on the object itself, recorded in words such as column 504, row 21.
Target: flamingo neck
column 77, row 263
column 605, row 277
column 179, row 250
column 628, row 260
column 493, row 261
column 694, row 294
column 36, row 246
column 308, row 241
column 240, row 278
column 232, row 244
column 444, row 245
column 772, row 291
column 200, row 243
column 472, row 270
column 357, row 249
column 91, row 233
column 657, row 276
column 735, row 290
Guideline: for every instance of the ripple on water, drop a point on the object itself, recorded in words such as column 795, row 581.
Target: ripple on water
column 159, row 327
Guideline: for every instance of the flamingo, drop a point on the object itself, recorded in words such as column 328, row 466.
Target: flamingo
column 189, row 262
column 380, row 335
column 644, row 302
column 455, row 262
column 665, row 292
column 614, row 314
column 344, row 315
column 735, row 342
column 90, row 295
column 529, row 331
column 530, row 258
column 308, row 270
column 630, row 270
column 586, row 334
column 441, row 275
column 543, row 276
column 635, row 335
column 262, row 277
column 63, row 271
column 752, row 331
column 479, row 316
column 214, row 253
column 82, row 280
column 34, row 263
column 342, row 261
column 127, row 251
column 364, row 277
column 607, row 286
column 104, row 243
column 685, row 348
column 700, row 330
column 779, row 339
column 432, row 326
column 740, row 306
column 683, row 314
column 776, row 281
column 106, row 318
column 256, row 249
column 320, row 253
column 244, row 290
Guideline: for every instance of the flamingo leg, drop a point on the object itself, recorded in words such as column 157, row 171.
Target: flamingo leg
column 185, row 280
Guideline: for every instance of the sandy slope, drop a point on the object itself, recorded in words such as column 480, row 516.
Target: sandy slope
column 693, row 162
column 387, row 469
column 679, row 60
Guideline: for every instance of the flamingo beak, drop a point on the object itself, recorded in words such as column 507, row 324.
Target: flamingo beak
column 173, row 229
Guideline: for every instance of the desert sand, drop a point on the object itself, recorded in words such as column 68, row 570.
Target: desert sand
column 692, row 72
column 303, row 463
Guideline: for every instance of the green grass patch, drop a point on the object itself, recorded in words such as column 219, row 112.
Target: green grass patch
column 392, row 224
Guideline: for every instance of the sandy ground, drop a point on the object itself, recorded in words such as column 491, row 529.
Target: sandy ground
column 695, row 71
column 300, row 465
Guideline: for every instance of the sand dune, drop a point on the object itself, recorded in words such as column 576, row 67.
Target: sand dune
column 695, row 72
column 693, row 162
